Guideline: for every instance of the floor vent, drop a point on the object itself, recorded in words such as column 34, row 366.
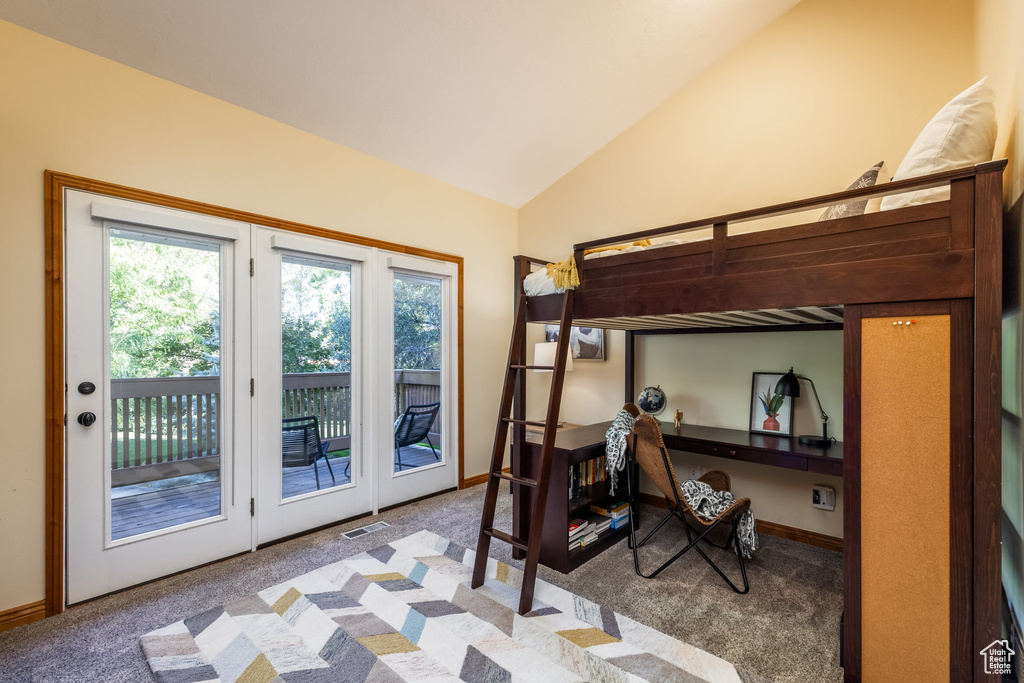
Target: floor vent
column 363, row 530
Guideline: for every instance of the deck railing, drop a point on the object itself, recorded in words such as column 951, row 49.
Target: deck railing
column 169, row 426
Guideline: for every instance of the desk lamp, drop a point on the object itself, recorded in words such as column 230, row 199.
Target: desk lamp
column 789, row 385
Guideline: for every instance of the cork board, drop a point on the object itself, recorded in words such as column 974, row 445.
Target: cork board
column 905, row 454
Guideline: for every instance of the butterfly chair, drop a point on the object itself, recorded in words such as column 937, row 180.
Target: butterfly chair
column 413, row 427
column 301, row 445
column 648, row 448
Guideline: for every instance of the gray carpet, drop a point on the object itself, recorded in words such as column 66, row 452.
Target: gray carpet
column 785, row 629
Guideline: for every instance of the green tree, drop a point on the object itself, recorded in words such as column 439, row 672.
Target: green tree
column 417, row 323
column 164, row 309
column 316, row 318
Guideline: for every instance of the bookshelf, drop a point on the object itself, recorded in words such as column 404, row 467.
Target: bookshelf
column 572, row 447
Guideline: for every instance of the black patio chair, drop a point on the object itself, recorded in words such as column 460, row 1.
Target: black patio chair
column 413, row 427
column 301, row 445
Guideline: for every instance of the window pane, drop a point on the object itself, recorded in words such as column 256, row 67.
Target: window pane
column 165, row 359
column 316, row 351
column 418, row 357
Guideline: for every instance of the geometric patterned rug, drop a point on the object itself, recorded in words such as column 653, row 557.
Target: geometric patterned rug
column 405, row 612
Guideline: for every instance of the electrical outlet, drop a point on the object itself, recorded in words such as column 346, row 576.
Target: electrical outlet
column 697, row 471
column 823, row 497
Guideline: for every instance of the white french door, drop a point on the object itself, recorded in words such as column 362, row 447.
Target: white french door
column 229, row 385
column 417, row 331
column 311, row 362
column 157, row 466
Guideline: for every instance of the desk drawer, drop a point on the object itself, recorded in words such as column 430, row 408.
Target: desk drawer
column 730, row 452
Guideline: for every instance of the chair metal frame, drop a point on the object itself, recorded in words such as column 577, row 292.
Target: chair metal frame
column 409, row 416
column 678, row 510
column 305, row 424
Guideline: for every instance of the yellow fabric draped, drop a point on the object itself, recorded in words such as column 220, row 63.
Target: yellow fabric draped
column 564, row 274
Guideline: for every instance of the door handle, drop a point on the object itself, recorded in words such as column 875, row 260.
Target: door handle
column 86, row 419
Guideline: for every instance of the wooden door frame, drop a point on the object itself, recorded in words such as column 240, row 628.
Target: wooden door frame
column 55, row 185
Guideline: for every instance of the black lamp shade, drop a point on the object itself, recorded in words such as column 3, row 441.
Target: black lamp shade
column 789, row 385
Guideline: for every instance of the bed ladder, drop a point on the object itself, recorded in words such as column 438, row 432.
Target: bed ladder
column 517, row 363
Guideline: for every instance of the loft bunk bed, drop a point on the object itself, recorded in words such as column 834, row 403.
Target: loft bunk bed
column 941, row 259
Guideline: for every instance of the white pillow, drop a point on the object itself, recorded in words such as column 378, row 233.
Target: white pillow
column 963, row 133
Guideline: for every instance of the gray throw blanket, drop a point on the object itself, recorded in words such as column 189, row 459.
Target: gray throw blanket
column 709, row 503
column 615, row 447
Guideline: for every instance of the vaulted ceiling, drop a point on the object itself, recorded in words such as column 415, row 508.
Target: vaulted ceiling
column 499, row 97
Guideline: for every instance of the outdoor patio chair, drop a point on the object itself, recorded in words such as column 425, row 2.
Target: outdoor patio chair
column 413, row 427
column 648, row 448
column 301, row 445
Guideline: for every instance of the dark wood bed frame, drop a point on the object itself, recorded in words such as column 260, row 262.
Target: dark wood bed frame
column 941, row 257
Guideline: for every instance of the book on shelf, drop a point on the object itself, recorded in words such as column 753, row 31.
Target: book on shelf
column 613, row 509
column 586, row 473
column 588, row 539
column 620, row 522
column 576, row 525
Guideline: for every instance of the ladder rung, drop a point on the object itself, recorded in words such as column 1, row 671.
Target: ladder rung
column 532, row 367
column 508, row 538
column 514, row 479
column 529, row 423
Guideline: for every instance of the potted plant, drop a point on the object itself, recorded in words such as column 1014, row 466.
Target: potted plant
column 772, row 404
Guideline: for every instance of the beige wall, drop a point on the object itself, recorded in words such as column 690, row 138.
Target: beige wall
column 802, row 108
column 67, row 110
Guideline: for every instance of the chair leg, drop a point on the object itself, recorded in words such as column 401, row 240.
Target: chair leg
column 436, row 455
column 739, row 553
column 328, row 461
column 398, row 455
column 316, row 472
column 348, row 466
column 693, row 544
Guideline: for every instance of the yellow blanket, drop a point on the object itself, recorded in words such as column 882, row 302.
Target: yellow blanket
column 564, row 273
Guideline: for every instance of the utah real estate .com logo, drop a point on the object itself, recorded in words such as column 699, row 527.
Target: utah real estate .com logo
column 998, row 658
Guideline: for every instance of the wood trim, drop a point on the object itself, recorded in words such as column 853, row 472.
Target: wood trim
column 19, row 616
column 851, row 494
column 906, row 308
column 720, row 234
column 460, row 359
column 961, row 493
column 55, row 381
column 72, row 182
column 987, row 410
column 480, row 479
column 55, row 184
column 800, row 535
column 770, row 528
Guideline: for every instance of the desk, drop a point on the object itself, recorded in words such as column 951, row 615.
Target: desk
column 736, row 444
column 574, row 446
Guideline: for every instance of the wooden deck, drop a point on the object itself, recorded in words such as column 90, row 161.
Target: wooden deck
column 145, row 512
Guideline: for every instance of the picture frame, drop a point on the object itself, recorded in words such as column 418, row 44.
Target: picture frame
column 761, row 422
column 585, row 343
